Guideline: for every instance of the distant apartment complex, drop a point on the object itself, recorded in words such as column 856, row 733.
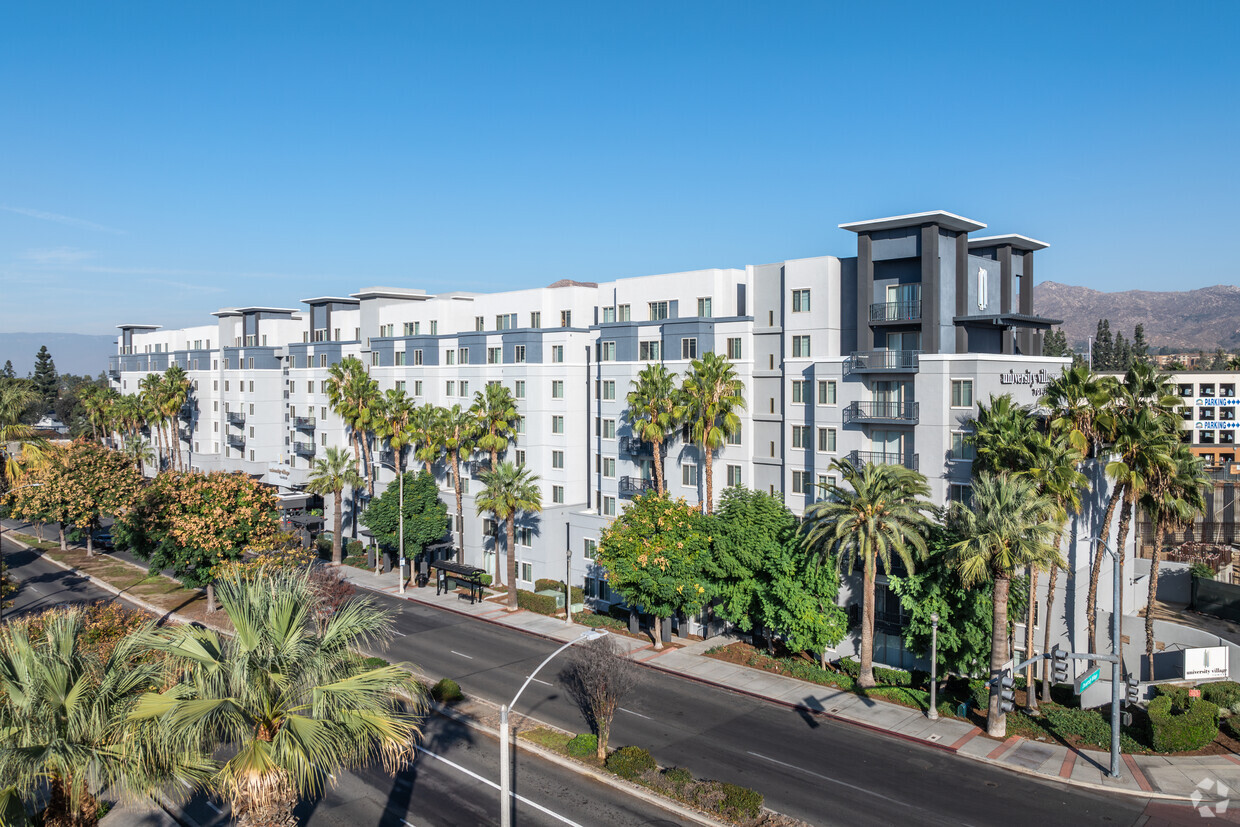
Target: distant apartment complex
column 879, row 357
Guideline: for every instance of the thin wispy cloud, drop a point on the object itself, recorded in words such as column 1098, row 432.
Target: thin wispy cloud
column 183, row 285
column 57, row 256
column 67, row 220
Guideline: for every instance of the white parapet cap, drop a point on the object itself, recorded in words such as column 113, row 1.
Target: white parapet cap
column 1014, row 240
column 138, row 326
column 946, row 220
column 407, row 293
column 331, row 300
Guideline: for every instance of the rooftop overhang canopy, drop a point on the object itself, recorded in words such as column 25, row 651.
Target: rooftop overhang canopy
column 331, row 300
column 1013, row 240
column 1008, row 320
column 946, row 220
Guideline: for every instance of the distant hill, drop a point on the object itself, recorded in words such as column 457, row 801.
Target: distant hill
column 1193, row 320
column 72, row 352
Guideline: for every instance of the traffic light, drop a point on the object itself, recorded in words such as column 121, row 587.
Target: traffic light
column 1060, row 661
column 1134, row 692
column 1007, row 691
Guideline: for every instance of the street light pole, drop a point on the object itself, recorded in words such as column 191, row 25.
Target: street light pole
column 568, row 575
column 934, row 660
column 1117, row 608
column 505, row 760
column 400, row 520
column 4, row 568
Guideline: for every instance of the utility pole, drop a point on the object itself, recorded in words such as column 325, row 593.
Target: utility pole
column 568, row 574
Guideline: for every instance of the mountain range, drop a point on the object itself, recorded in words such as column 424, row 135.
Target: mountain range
column 1191, row 320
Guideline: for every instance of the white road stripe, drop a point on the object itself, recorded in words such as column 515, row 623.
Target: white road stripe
column 218, row 811
column 402, row 634
column 832, row 780
column 495, row 786
column 462, row 654
column 407, row 823
column 638, row 714
column 544, row 683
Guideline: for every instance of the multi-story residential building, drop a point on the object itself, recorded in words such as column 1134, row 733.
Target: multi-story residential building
column 878, row 357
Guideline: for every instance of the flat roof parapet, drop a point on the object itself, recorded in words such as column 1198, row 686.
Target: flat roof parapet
column 946, row 220
column 1015, row 240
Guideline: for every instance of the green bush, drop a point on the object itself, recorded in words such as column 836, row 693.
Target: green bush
column 375, row 663
column 1201, row 571
column 885, row 676
column 584, row 745
column 902, row 695
column 598, row 621
column 981, row 693
column 485, row 579
column 544, row 583
column 447, row 691
column 619, row 612
column 544, row 604
column 678, row 777
column 630, row 762
column 323, row 545
column 1182, row 728
column 354, row 548
column 740, row 802
column 1233, row 726
column 1222, row 694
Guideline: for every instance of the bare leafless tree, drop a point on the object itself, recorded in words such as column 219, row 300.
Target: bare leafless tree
column 598, row 677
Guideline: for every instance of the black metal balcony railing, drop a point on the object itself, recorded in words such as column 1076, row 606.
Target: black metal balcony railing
column 387, row 457
column 859, row 458
column 303, row 449
column 635, row 486
column 875, row 410
column 892, row 361
column 895, row 311
column 304, row 423
column 236, row 418
column 236, row 440
column 633, row 445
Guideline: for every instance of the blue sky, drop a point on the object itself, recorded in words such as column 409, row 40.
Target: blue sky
column 161, row 160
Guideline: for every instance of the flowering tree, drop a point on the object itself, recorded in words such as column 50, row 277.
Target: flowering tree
column 654, row 554
column 40, row 498
column 97, row 482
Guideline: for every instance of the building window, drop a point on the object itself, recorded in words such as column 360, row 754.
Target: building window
column 400, row 386
column 800, row 347
column 800, row 436
column 801, row 482
column 464, row 388
column 463, row 355
column 704, row 307
column 535, row 319
column 609, row 467
column 800, row 301
column 557, row 388
column 609, row 315
column 962, row 393
column 557, row 459
column 480, row 323
column 734, row 348
column 557, row 424
column 449, row 388
column 525, row 537
column 400, row 357
column 734, row 476
column 658, row 311
column 518, row 389
column 557, row 353
column 434, row 327
column 374, row 357
column 505, row 321
column 417, row 387
column 648, row 351
column 449, row 357
column 322, row 360
column 688, row 348
column 609, row 389
column 826, row 391
column 733, row 437
column 589, row 548
column 609, row 429
column 323, row 413
column 798, row 391
column 566, row 318
column 826, row 440
column 825, row 483
column 518, row 353
column 494, row 355
column 689, row 474
column 609, row 506
column 607, row 351
column 557, row 494
column 960, row 493
column 527, row 570
column 417, row 357
column 624, row 313
column 520, row 457
column 962, row 449
column 520, row 425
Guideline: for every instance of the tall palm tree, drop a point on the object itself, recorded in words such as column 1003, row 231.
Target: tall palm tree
column 426, row 432
column 289, row 694
column 1009, row 527
column 1002, row 434
column 175, row 392
column 509, row 490
column 128, row 417
column 460, row 435
column 883, row 511
column 711, row 396
column 1171, row 503
column 330, row 475
column 151, row 395
column 64, row 718
column 1076, row 398
column 653, row 403
column 15, row 398
column 496, row 410
column 395, row 420
column 354, row 396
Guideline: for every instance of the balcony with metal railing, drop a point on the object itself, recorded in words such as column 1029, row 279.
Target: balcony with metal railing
column 187, row 411
column 236, row 440
column 387, row 458
column 883, row 361
column 882, row 411
column 304, row 423
column 236, row 418
column 303, row 449
column 633, row 445
column 883, row 312
column 635, row 486
column 860, row 458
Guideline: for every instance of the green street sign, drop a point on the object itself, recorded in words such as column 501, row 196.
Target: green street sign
column 1088, row 679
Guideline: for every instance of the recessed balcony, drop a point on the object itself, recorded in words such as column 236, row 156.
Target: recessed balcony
column 883, row 361
column 860, row 458
column 236, row 440
column 303, row 449
column 881, row 411
column 635, row 486
column 236, row 418
column 304, row 423
column 888, row 312
column 633, row 445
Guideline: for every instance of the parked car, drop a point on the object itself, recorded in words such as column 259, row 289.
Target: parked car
column 102, row 538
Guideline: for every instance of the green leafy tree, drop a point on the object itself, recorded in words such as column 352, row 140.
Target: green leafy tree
column 883, row 511
column 65, row 731
column 8, row 372
column 288, row 697
column 46, row 380
column 96, row 482
column 1140, row 347
column 426, row 517
column 654, row 554
column 1103, row 347
column 509, row 490
column 330, row 475
column 710, row 397
column 1010, row 526
column 653, row 403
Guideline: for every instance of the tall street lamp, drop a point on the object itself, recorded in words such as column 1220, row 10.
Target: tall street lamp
column 3, row 567
column 400, row 521
column 505, row 761
column 934, row 662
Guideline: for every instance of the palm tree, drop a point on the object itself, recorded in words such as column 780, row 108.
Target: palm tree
column 496, row 411
column 395, row 420
column 175, row 391
column 151, row 396
column 510, row 490
column 711, row 395
column 140, row 451
column 1234, row 362
column 1076, row 398
column 1010, row 526
column 883, row 510
column 64, row 717
column 290, row 695
column 330, row 475
column 15, row 398
column 354, row 396
column 128, row 417
column 1171, row 503
column 426, row 433
column 459, row 430
column 653, row 402
column 1002, row 434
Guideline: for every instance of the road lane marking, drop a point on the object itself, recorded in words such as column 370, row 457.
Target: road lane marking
column 402, row 634
column 462, row 654
column 861, row 790
column 218, row 811
column 544, row 683
column 495, row 786
column 638, row 714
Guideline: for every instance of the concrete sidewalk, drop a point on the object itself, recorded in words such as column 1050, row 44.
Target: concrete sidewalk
column 1142, row 775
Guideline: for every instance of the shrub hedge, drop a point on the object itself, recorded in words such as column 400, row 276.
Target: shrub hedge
column 584, row 745
column 354, row 548
column 447, row 691
column 889, row 677
column 1223, row 693
column 1176, row 728
column 630, row 762
column 544, row 604
column 740, row 802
